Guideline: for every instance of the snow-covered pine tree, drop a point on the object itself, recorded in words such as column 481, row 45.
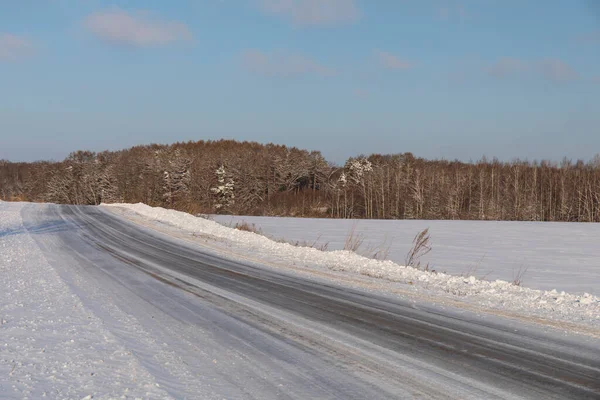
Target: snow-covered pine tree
column 107, row 186
column 176, row 180
column 358, row 167
column 358, row 170
column 60, row 186
column 224, row 190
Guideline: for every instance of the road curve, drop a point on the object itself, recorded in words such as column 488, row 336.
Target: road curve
column 282, row 336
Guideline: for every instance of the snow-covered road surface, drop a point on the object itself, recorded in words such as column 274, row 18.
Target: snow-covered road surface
column 187, row 323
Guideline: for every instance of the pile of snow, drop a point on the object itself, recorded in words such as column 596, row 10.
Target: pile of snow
column 497, row 294
column 50, row 344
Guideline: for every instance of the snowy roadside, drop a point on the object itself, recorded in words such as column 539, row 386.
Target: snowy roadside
column 558, row 309
column 51, row 345
column 554, row 255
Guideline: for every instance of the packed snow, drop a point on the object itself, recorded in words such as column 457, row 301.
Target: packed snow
column 500, row 295
column 50, row 344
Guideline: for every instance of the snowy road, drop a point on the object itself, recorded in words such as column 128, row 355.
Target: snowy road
column 205, row 327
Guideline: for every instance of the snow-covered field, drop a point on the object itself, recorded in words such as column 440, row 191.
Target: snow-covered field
column 499, row 295
column 561, row 256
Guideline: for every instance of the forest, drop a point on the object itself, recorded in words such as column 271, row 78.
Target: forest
column 249, row 178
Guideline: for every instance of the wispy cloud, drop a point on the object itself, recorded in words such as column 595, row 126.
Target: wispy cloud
column 13, row 47
column 138, row 30
column 557, row 70
column 454, row 11
column 507, row 66
column 390, row 61
column 312, row 12
column 283, row 64
column 551, row 69
column 591, row 37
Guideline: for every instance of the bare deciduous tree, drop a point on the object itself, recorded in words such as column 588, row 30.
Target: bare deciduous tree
column 277, row 180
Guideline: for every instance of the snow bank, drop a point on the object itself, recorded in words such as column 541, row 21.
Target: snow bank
column 50, row 344
column 497, row 294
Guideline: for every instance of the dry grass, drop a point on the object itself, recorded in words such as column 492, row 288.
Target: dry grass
column 244, row 226
column 380, row 252
column 421, row 246
column 473, row 268
column 353, row 240
column 518, row 275
column 315, row 244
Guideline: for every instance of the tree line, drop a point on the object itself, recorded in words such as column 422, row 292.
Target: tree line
column 233, row 177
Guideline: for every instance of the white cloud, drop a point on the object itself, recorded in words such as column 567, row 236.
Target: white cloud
column 282, row 64
column 312, row 12
column 557, row 70
column 139, row 30
column 390, row 61
column 14, row 47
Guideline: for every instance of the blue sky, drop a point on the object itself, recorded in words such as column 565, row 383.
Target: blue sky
column 440, row 78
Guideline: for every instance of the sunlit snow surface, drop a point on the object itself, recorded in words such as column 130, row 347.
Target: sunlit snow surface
column 561, row 256
column 498, row 294
column 69, row 330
